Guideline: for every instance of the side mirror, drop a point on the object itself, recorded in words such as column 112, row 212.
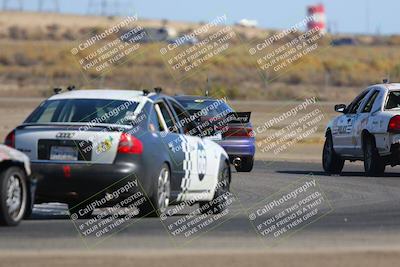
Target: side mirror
column 340, row 108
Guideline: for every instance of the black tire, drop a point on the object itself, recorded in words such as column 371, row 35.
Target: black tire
column 331, row 162
column 246, row 164
column 74, row 211
column 221, row 196
column 374, row 165
column 29, row 208
column 31, row 199
column 13, row 191
column 158, row 202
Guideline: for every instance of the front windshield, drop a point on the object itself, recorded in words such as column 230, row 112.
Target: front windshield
column 103, row 111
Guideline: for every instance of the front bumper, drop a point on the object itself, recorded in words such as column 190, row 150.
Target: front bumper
column 72, row 183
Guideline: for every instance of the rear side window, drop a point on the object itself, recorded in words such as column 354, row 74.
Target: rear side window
column 393, row 100
column 83, row 110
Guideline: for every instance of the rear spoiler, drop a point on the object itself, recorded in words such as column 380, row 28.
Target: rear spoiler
column 75, row 125
column 239, row 117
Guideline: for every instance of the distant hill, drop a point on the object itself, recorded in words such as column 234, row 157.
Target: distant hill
column 36, row 56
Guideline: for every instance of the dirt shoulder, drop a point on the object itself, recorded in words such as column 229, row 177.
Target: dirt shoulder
column 326, row 258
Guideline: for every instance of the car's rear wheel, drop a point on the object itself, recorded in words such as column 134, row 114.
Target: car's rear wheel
column 159, row 201
column 221, row 196
column 331, row 162
column 13, row 196
column 374, row 165
column 246, row 164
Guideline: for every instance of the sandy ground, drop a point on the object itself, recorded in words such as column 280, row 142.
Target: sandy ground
column 359, row 257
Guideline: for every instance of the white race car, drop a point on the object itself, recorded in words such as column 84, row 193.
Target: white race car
column 368, row 130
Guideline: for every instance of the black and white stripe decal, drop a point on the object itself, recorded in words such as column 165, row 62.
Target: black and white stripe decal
column 187, row 167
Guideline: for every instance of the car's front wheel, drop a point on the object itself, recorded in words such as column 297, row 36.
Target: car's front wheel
column 222, row 193
column 331, row 162
column 374, row 165
column 13, row 196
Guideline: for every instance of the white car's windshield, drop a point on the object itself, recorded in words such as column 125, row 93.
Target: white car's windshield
column 104, row 111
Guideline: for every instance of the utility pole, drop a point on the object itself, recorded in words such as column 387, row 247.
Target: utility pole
column 103, row 9
column 56, row 6
column 89, row 8
column 97, row 7
column 368, row 17
column 108, row 7
column 19, row 6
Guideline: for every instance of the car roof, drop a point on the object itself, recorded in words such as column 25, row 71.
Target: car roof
column 386, row 86
column 127, row 95
column 193, row 97
column 392, row 86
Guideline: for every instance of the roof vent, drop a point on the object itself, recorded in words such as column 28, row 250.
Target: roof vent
column 71, row 88
column 145, row 92
column 386, row 80
column 157, row 90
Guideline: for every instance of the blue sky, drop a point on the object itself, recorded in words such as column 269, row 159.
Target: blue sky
column 345, row 16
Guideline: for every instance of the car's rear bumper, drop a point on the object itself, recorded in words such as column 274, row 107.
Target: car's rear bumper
column 71, row 183
column 239, row 147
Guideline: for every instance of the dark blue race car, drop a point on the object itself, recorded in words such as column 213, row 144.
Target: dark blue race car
column 106, row 148
column 232, row 130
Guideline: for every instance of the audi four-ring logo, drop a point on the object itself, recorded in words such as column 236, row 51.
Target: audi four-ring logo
column 65, row 135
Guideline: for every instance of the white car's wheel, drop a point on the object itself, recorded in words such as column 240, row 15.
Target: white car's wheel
column 13, row 196
column 373, row 162
column 331, row 162
column 221, row 196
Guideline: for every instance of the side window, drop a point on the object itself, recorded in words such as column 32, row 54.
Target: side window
column 166, row 121
column 370, row 102
column 356, row 103
column 184, row 120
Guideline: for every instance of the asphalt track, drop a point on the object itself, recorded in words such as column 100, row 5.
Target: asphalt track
column 364, row 212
